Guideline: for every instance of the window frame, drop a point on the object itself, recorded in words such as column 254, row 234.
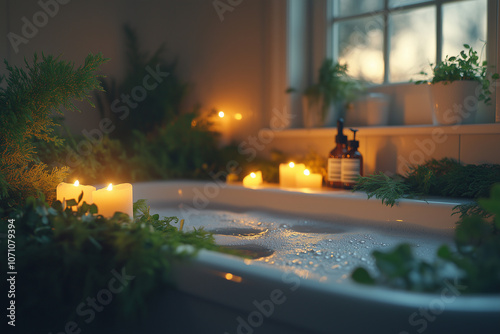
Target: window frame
column 386, row 11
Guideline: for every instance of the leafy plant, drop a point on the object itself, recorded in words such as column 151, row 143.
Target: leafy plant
column 445, row 177
column 334, row 85
column 26, row 104
column 464, row 66
column 163, row 99
column 69, row 256
column 473, row 263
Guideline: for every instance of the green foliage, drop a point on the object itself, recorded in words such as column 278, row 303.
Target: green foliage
column 383, row 187
column 162, row 103
column 464, row 66
column 183, row 148
column 473, row 264
column 334, row 85
column 65, row 257
column 445, row 177
column 26, row 104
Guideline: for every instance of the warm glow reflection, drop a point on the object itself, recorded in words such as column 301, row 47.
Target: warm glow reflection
column 110, row 187
column 399, row 220
column 306, row 172
column 193, row 123
column 238, row 116
column 253, row 175
column 291, row 164
column 77, row 183
column 221, row 114
column 234, row 278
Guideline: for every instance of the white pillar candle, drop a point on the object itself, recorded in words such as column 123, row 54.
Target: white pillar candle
column 67, row 191
column 288, row 174
column 113, row 199
column 252, row 180
column 306, row 179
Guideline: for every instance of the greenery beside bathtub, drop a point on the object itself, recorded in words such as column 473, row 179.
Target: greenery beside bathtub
column 445, row 177
column 64, row 257
column 473, row 266
column 28, row 100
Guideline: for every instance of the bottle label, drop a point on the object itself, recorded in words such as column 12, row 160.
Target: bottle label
column 350, row 170
column 334, row 170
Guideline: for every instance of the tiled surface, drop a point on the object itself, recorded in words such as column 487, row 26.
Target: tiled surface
column 478, row 149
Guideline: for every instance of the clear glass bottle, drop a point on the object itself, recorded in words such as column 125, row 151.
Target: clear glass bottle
column 334, row 166
column 352, row 164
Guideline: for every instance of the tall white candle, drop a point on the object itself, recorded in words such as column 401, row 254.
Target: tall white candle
column 288, row 174
column 67, row 191
column 307, row 179
column 113, row 199
column 253, row 179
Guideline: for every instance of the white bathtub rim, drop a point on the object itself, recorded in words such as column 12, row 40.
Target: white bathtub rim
column 237, row 266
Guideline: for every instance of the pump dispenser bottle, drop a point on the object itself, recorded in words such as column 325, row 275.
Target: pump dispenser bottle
column 334, row 167
column 352, row 164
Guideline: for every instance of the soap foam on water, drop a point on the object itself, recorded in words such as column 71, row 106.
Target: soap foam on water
column 328, row 251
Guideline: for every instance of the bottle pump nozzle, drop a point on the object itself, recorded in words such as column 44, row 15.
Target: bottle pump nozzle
column 340, row 138
column 354, row 143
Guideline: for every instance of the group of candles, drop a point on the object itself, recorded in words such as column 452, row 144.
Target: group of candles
column 109, row 200
column 119, row 198
column 291, row 176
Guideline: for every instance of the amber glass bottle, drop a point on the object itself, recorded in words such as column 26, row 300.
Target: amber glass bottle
column 352, row 164
column 334, row 166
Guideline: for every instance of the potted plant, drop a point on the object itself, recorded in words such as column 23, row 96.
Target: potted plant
column 458, row 84
column 324, row 102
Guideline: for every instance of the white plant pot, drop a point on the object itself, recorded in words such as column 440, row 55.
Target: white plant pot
column 369, row 110
column 454, row 102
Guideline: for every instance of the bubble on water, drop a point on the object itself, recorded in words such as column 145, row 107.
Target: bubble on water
column 363, row 259
column 318, row 253
column 351, row 241
column 361, row 241
column 330, row 240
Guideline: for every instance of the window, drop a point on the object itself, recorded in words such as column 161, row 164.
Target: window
column 388, row 41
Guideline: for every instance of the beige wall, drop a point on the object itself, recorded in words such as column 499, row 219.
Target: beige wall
column 224, row 60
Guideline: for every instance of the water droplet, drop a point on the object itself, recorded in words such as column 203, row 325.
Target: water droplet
column 361, row 241
column 330, row 240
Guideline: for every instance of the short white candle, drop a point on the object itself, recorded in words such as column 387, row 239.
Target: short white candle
column 253, row 179
column 66, row 191
column 307, row 179
column 288, row 174
column 113, row 199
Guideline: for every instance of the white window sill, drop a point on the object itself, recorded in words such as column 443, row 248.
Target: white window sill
column 492, row 128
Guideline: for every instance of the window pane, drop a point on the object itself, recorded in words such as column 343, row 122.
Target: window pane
column 349, row 7
column 360, row 46
column 464, row 23
column 397, row 3
column 413, row 43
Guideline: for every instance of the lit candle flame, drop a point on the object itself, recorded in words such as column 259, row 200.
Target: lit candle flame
column 110, row 187
column 306, row 172
column 76, row 183
column 221, row 114
column 291, row 164
column 253, row 175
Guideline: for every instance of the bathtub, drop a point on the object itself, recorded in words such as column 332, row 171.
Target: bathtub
column 218, row 293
